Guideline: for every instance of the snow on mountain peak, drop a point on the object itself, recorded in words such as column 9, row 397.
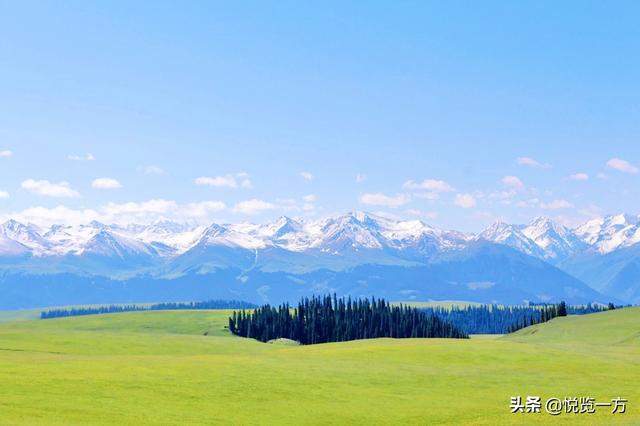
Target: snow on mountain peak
column 282, row 226
column 500, row 231
column 26, row 235
column 511, row 235
column 350, row 232
column 231, row 236
column 110, row 244
column 610, row 232
column 556, row 240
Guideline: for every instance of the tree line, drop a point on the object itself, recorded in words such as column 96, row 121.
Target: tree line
column 544, row 314
column 110, row 309
column 496, row 319
column 331, row 319
column 488, row 319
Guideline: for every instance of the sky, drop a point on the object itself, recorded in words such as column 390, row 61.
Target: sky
column 449, row 112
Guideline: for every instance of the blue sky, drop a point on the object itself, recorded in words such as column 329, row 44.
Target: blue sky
column 453, row 113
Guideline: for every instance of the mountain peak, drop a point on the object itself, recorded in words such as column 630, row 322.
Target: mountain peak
column 511, row 235
column 542, row 221
column 361, row 216
column 12, row 223
column 498, row 227
column 610, row 233
column 542, row 237
column 96, row 224
column 623, row 219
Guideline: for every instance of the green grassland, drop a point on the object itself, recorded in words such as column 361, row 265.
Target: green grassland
column 24, row 314
column 182, row 367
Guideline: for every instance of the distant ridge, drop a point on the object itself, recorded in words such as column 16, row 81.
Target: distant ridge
column 595, row 252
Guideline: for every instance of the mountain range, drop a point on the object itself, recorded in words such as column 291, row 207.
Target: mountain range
column 352, row 254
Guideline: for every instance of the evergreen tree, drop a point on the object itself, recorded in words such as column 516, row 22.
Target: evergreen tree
column 329, row 319
column 562, row 309
column 110, row 309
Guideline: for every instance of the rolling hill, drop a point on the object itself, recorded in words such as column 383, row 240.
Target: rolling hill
column 110, row 369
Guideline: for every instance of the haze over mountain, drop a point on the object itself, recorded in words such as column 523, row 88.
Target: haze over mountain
column 355, row 253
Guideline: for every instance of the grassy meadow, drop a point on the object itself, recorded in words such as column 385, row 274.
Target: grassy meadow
column 182, row 367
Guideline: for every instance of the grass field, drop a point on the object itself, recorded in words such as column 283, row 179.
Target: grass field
column 161, row 368
column 25, row 314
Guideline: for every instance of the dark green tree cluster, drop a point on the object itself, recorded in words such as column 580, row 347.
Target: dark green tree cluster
column 484, row 319
column 545, row 313
column 110, row 309
column 73, row 312
column 589, row 308
column 498, row 319
column 329, row 319
column 209, row 304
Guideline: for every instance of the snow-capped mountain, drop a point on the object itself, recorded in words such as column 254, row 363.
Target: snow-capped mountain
column 177, row 236
column 512, row 236
column 601, row 252
column 542, row 238
column 26, row 236
column 349, row 233
column 106, row 243
column 66, row 239
column 557, row 241
column 10, row 247
column 611, row 232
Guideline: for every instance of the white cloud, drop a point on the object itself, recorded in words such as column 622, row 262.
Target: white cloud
column 556, row 205
column 202, row 209
column 487, row 216
column 218, row 181
column 253, row 206
column 4, row 194
column 292, row 205
column 532, row 202
column 151, row 170
column 420, row 213
column 501, row 195
column 6, row 153
column 513, row 182
column 86, row 157
column 44, row 216
column 427, row 195
column 530, row 162
column 287, row 204
column 139, row 209
column 306, row 176
column 227, row 181
column 360, row 178
column 592, row 211
column 379, row 199
column 602, row 176
column 466, row 201
column 622, row 166
column 50, row 189
column 246, row 183
column 105, row 183
column 579, row 176
column 122, row 213
column 150, row 210
column 431, row 185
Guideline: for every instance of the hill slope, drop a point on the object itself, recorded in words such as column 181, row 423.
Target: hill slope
column 109, row 369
